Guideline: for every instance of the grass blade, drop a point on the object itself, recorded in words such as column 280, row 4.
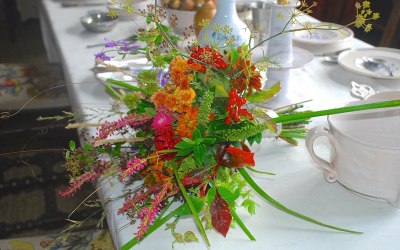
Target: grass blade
column 281, row 207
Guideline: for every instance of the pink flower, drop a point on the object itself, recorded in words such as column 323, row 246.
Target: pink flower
column 161, row 121
column 77, row 184
column 132, row 167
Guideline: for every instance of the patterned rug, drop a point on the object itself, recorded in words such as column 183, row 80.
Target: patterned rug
column 84, row 240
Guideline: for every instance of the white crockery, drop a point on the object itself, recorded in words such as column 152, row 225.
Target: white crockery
column 386, row 95
column 365, row 152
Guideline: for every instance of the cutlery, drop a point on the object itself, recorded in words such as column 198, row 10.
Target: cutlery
column 374, row 64
column 361, row 91
column 332, row 57
column 81, row 4
column 128, row 39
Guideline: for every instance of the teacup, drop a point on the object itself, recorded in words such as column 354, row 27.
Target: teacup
column 365, row 152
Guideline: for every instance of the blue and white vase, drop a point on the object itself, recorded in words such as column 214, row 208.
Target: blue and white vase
column 226, row 15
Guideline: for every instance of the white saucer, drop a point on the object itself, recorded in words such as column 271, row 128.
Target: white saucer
column 349, row 60
column 329, row 33
column 129, row 68
column 300, row 57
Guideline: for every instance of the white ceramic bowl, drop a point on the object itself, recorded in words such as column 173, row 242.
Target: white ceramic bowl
column 365, row 152
column 98, row 21
column 386, row 95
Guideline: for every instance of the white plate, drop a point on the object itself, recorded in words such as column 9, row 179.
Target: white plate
column 300, row 57
column 130, row 67
column 327, row 34
column 350, row 60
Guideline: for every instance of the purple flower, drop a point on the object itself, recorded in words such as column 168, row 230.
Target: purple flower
column 102, row 56
column 128, row 48
column 110, row 43
column 162, row 77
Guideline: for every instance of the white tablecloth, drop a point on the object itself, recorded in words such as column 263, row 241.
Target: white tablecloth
column 298, row 184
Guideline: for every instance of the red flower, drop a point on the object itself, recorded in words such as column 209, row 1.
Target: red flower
column 234, row 107
column 238, row 158
column 208, row 56
column 244, row 76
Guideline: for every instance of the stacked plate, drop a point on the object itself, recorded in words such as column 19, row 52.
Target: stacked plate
column 324, row 37
column 377, row 62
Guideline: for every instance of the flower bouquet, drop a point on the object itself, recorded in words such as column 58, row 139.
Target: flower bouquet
column 185, row 140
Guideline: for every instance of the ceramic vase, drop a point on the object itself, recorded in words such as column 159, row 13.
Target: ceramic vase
column 204, row 12
column 226, row 15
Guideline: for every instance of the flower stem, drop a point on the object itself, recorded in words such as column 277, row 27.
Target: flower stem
column 242, row 225
column 158, row 223
column 190, row 204
column 278, row 205
column 310, row 114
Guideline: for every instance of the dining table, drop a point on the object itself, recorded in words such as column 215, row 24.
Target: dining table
column 298, row 184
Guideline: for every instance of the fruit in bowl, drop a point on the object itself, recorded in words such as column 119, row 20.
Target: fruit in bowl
column 118, row 7
column 181, row 14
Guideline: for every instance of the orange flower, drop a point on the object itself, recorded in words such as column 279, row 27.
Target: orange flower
column 185, row 96
column 244, row 75
column 187, row 122
column 179, row 71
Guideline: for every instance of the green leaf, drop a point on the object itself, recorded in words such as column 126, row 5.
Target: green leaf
column 112, row 92
column 150, row 111
column 123, row 84
column 185, row 210
column 281, row 207
column 184, row 152
column 234, row 56
column 189, row 236
column 209, row 140
column 265, row 94
column 250, row 205
column 158, row 40
column 241, row 224
column 196, row 134
column 148, row 18
column 200, row 154
column 255, row 138
column 157, row 224
column 72, row 145
column 190, row 204
column 187, row 140
column 178, row 237
column 88, row 146
column 210, row 195
column 252, row 169
column 220, row 91
column 67, row 154
column 228, row 195
column 184, row 144
column 309, row 114
column 163, row 27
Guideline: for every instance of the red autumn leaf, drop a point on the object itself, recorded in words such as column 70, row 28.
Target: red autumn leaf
column 238, row 158
column 195, row 176
column 221, row 216
column 191, row 181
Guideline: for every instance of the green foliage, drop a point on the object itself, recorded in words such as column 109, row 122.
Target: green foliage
column 246, row 131
column 265, row 94
column 187, row 165
column 199, row 146
column 205, row 107
column 131, row 100
column 148, row 82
